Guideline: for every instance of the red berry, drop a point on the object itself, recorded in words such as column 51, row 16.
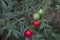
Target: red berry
column 27, row 33
column 35, row 23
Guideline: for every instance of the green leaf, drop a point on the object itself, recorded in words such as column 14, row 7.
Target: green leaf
column 42, row 26
column 8, row 1
column 53, row 34
column 9, row 33
column 10, row 6
column 57, row 37
column 15, row 34
column 39, row 36
column 3, row 28
column 7, row 14
column 47, row 26
column 3, row 4
column 58, row 6
column 44, row 20
column 58, row 1
column 42, row 39
column 19, row 33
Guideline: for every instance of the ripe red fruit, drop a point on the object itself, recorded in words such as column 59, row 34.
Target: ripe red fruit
column 35, row 23
column 27, row 33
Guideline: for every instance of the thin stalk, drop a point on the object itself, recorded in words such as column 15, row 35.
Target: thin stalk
column 26, row 38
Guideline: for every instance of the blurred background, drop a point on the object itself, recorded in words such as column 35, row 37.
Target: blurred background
column 17, row 15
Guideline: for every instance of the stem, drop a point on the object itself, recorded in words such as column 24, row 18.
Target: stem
column 27, row 38
column 46, row 33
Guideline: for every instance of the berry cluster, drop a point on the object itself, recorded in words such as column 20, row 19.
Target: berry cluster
column 36, row 16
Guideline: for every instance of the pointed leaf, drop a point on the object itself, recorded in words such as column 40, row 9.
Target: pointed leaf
column 9, row 33
column 3, row 4
column 42, row 26
column 19, row 33
column 15, row 34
